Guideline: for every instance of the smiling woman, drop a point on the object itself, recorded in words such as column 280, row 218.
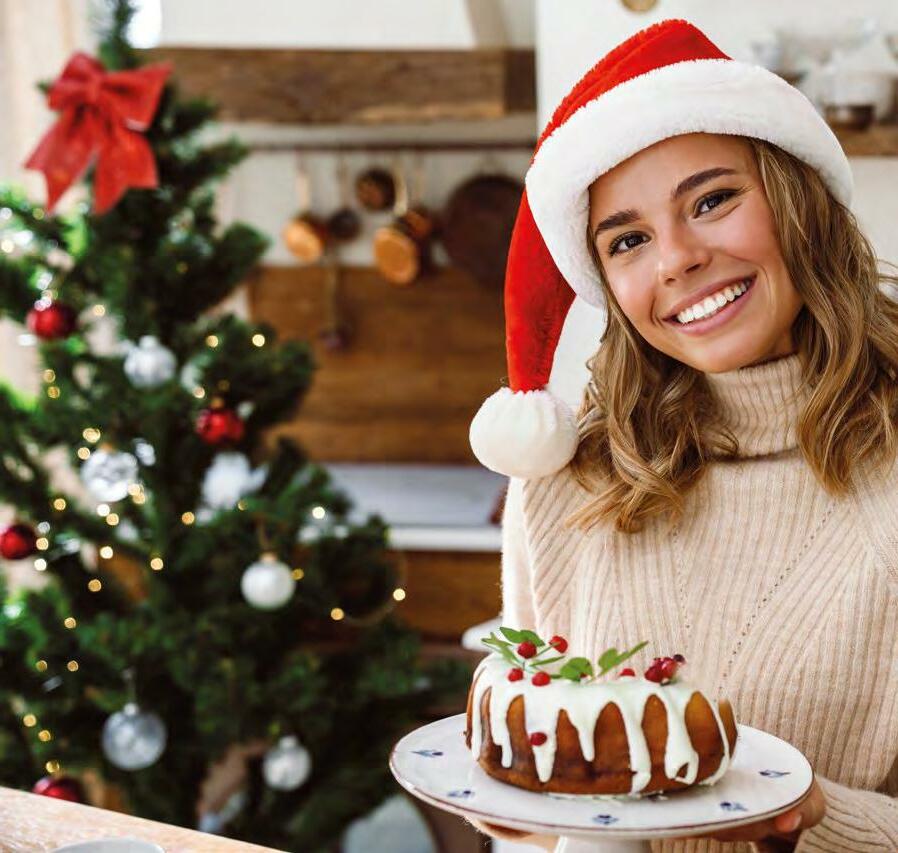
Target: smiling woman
column 729, row 485
column 730, row 266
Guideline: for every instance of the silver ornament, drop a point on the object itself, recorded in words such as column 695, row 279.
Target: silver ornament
column 107, row 474
column 268, row 583
column 287, row 764
column 133, row 739
column 149, row 363
column 229, row 478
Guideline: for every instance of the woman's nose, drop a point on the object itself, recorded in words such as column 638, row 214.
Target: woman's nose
column 680, row 252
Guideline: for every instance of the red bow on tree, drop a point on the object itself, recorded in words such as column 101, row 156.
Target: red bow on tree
column 102, row 114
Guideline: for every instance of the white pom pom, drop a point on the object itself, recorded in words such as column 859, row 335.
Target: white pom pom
column 524, row 433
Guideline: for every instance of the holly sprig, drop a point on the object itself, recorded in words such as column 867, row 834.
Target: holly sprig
column 576, row 669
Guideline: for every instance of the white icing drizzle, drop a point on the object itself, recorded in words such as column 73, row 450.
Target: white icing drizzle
column 583, row 703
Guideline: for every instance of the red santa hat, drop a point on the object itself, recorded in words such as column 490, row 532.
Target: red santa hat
column 666, row 80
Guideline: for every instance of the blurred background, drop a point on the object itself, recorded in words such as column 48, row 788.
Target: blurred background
column 261, row 373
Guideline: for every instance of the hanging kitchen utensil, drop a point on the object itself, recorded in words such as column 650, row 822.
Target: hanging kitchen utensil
column 402, row 248
column 306, row 235
column 375, row 188
column 344, row 224
column 477, row 222
column 336, row 333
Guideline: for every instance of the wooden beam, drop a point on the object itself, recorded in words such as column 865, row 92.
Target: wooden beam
column 356, row 86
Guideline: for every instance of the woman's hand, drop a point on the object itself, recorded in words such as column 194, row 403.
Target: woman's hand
column 506, row 833
column 809, row 812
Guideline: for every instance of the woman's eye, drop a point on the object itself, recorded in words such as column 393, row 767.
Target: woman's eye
column 721, row 195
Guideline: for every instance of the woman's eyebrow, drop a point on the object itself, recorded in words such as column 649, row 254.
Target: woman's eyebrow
column 625, row 217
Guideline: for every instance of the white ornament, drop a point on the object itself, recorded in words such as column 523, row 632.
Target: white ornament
column 229, row 478
column 287, row 764
column 191, row 376
column 107, row 474
column 268, row 583
column 149, row 363
column 145, row 452
column 133, row 739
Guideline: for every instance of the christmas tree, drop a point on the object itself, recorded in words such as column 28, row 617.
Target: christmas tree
column 210, row 598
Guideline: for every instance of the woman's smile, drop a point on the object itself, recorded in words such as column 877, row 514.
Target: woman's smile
column 718, row 317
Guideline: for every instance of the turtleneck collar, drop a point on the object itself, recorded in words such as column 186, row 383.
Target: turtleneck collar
column 761, row 403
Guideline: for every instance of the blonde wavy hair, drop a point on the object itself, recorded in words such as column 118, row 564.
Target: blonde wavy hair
column 648, row 423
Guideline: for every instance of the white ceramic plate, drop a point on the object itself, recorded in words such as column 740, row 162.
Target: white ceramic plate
column 766, row 777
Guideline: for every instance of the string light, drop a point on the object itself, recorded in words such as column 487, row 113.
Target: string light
column 336, row 614
column 44, row 735
column 399, row 594
column 106, row 552
column 212, row 340
column 83, row 453
column 29, row 720
column 42, row 543
column 91, row 434
column 40, row 565
column 70, row 622
column 156, row 564
column 49, row 375
column 72, row 666
column 188, row 517
column 53, row 392
column 199, row 393
column 112, row 519
column 241, row 504
column 140, row 498
column 319, row 512
column 99, row 310
column 102, row 509
column 52, row 766
column 134, row 489
column 298, row 574
column 59, row 503
column 95, row 585
column 259, row 340
column 41, row 666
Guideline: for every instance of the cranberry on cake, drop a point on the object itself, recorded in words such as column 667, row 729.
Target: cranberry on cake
column 544, row 721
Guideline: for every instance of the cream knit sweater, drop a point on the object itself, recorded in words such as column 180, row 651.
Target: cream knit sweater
column 781, row 597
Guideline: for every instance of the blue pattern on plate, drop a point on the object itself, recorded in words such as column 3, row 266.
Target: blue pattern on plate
column 774, row 774
column 429, row 753
column 604, row 819
column 463, row 793
column 733, row 807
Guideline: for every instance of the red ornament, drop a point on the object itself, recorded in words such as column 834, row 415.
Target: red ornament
column 627, row 671
column 219, row 425
column 102, row 116
column 538, row 738
column 515, row 674
column 541, row 679
column 60, row 787
column 526, row 649
column 559, row 642
column 17, row 542
column 51, row 320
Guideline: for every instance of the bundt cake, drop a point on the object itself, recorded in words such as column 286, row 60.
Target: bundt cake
column 544, row 721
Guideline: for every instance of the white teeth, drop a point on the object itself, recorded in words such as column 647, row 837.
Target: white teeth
column 712, row 304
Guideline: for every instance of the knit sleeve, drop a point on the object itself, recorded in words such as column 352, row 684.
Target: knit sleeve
column 517, row 589
column 856, row 819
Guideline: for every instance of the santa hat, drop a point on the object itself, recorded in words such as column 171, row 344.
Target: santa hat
column 666, row 80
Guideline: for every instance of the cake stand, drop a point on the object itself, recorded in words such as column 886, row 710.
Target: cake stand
column 767, row 776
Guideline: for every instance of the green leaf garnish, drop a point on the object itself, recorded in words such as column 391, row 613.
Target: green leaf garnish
column 576, row 668
column 522, row 636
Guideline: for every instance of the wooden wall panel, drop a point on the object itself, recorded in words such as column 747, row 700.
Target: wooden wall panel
column 421, row 361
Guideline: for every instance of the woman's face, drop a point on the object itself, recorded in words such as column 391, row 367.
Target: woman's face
column 678, row 222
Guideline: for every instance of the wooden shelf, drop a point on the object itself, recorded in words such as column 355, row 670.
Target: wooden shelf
column 879, row 140
column 357, row 86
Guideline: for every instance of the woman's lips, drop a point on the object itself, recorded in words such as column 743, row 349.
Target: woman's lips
column 724, row 315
